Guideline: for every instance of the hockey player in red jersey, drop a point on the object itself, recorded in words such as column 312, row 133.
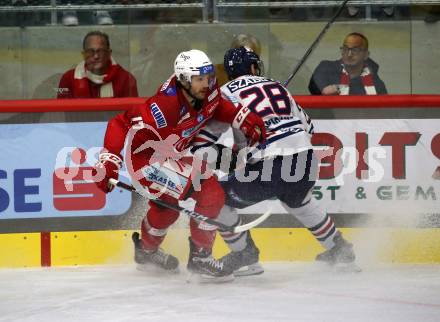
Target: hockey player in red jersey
column 289, row 131
column 164, row 128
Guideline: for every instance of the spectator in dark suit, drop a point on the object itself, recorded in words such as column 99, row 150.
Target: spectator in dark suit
column 355, row 73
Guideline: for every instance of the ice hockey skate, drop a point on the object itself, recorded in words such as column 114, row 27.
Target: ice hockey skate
column 148, row 260
column 341, row 256
column 204, row 268
column 244, row 262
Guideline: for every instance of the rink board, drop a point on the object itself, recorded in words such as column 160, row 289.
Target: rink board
column 34, row 199
column 276, row 244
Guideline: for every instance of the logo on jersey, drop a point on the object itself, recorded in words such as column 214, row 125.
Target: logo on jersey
column 233, row 99
column 211, row 108
column 165, row 85
column 245, row 82
column 169, row 91
column 276, row 120
column 162, row 178
column 188, row 132
column 183, row 118
column 212, row 95
column 200, row 118
column 158, row 116
column 183, row 110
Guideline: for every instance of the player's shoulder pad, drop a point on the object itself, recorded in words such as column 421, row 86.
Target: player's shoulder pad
column 168, row 88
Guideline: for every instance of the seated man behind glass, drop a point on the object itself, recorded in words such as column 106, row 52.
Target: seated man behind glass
column 98, row 75
column 354, row 74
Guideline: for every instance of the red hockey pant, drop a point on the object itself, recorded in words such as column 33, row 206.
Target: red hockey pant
column 209, row 201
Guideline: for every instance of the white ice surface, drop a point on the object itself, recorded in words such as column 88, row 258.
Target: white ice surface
column 285, row 292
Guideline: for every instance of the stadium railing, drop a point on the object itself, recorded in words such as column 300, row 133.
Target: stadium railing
column 223, row 4
column 54, row 7
column 39, row 138
column 307, row 101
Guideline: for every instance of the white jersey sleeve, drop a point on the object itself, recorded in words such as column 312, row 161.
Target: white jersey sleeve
column 305, row 119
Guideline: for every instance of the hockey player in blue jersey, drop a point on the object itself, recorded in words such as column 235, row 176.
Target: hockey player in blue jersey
column 286, row 165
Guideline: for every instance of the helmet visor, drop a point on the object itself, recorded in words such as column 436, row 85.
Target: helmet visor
column 209, row 71
column 206, row 80
column 206, row 69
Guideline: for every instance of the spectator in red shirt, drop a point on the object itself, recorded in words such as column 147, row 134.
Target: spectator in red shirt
column 98, row 75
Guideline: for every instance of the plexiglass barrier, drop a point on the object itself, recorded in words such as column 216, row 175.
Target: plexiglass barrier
column 145, row 41
column 383, row 160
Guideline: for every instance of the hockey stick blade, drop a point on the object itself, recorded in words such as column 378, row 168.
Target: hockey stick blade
column 252, row 224
column 233, row 229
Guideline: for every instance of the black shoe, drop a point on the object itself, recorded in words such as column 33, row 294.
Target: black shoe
column 342, row 252
column 201, row 262
column 157, row 257
column 245, row 262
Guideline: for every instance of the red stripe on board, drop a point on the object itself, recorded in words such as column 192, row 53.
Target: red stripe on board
column 69, row 105
column 308, row 102
column 369, row 101
column 45, row 249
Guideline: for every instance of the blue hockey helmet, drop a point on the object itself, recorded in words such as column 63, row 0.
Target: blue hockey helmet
column 238, row 62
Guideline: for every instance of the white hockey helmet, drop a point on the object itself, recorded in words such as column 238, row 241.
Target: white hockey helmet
column 192, row 63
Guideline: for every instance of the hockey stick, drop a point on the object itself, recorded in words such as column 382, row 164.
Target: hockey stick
column 317, row 40
column 233, row 229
